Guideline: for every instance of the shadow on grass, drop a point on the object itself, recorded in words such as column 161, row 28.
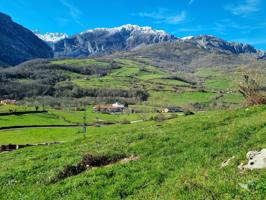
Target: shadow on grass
column 88, row 161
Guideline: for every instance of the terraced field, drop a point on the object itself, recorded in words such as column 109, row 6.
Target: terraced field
column 167, row 89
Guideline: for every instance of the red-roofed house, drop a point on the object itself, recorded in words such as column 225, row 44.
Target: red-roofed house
column 115, row 108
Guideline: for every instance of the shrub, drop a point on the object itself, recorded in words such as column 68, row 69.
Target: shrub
column 188, row 112
column 160, row 117
column 125, row 121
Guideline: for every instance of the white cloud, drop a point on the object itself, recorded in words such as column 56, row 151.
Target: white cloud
column 162, row 16
column 225, row 25
column 244, row 8
column 74, row 12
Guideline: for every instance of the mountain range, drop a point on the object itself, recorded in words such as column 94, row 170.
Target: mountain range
column 18, row 44
column 102, row 41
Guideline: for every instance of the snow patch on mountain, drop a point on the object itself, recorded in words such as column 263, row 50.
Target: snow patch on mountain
column 187, row 38
column 131, row 28
column 51, row 37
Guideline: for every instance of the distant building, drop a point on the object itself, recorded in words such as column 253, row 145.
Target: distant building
column 114, row 108
column 8, row 102
column 118, row 105
column 172, row 110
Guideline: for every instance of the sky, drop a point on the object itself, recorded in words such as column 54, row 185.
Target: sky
column 232, row 20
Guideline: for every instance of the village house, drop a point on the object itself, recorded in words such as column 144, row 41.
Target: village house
column 8, row 102
column 110, row 109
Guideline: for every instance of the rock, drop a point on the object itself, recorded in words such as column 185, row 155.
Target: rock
column 131, row 158
column 227, row 162
column 257, row 160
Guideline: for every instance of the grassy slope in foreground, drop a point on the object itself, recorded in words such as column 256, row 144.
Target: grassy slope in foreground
column 179, row 159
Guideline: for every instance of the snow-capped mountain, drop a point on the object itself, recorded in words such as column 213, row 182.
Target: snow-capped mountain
column 130, row 27
column 51, row 37
column 101, row 41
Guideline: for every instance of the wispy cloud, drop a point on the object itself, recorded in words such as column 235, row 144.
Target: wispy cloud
column 244, row 8
column 163, row 16
column 191, row 2
column 61, row 21
column 223, row 26
column 189, row 29
column 74, row 12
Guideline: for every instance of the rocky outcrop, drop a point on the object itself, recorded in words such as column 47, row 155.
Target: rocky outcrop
column 209, row 42
column 18, row 44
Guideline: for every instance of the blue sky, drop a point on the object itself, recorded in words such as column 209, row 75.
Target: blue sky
column 234, row 20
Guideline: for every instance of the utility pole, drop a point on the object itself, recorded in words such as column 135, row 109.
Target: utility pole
column 84, row 123
column 85, row 119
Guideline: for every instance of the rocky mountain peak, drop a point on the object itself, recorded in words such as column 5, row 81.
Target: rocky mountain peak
column 211, row 42
column 51, row 37
column 129, row 28
column 101, row 41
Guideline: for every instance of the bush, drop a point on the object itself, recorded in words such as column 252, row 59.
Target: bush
column 125, row 121
column 188, row 112
column 160, row 117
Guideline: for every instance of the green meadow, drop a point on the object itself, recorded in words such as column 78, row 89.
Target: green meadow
column 178, row 156
column 177, row 159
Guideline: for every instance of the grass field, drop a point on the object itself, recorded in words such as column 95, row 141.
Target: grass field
column 135, row 75
column 129, row 74
column 80, row 62
column 177, row 156
column 31, row 119
column 39, row 135
column 77, row 116
column 178, row 159
column 179, row 99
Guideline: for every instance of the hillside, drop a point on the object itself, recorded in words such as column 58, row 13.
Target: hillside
column 18, row 44
column 194, row 53
column 72, row 82
column 174, row 159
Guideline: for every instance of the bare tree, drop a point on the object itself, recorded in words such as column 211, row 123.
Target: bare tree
column 252, row 87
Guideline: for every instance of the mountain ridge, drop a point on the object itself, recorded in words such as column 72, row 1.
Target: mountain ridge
column 51, row 37
column 18, row 44
column 104, row 41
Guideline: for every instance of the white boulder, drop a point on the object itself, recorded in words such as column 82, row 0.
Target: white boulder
column 256, row 160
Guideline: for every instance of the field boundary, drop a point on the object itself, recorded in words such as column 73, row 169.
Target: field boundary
column 23, row 113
